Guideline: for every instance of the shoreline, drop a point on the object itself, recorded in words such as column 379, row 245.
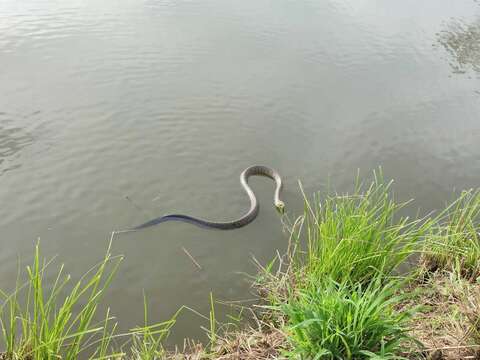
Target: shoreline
column 335, row 294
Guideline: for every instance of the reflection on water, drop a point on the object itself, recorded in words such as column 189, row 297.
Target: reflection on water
column 12, row 140
column 166, row 102
column 462, row 41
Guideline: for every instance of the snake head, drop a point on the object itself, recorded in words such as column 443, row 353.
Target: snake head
column 280, row 206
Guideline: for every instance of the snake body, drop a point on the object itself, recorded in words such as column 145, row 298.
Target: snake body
column 256, row 170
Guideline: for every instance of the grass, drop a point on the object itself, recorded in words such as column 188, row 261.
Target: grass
column 346, row 321
column 37, row 324
column 42, row 322
column 337, row 293
column 147, row 340
column 334, row 288
column 337, row 286
column 454, row 242
column 448, row 320
column 353, row 236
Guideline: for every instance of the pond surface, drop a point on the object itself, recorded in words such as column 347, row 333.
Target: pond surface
column 114, row 112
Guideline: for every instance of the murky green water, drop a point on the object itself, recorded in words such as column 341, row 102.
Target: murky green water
column 165, row 102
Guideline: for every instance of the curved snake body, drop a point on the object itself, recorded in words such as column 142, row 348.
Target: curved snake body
column 242, row 221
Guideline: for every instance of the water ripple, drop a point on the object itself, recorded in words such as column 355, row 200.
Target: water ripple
column 167, row 101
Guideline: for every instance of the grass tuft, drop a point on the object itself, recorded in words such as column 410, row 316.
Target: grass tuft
column 336, row 288
column 346, row 321
column 42, row 322
column 454, row 243
column 351, row 237
column 40, row 325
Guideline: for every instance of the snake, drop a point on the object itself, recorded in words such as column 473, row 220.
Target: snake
column 247, row 218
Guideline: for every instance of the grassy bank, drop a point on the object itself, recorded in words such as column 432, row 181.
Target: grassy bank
column 341, row 291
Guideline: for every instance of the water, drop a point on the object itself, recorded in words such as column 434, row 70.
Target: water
column 166, row 102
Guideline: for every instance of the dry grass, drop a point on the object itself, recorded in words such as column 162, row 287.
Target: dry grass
column 252, row 344
column 448, row 322
column 266, row 343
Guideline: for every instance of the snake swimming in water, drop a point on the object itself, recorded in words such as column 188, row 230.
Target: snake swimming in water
column 256, row 170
